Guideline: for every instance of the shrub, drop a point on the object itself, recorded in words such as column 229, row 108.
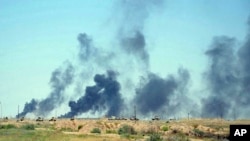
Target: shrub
column 8, row 126
column 155, row 137
column 178, row 137
column 111, row 132
column 195, row 125
column 164, row 128
column 67, row 129
column 126, row 129
column 175, row 131
column 149, row 131
column 29, row 127
column 99, row 122
column 96, row 130
column 79, row 127
column 198, row 132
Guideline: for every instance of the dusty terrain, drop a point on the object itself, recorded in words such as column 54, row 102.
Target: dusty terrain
column 193, row 129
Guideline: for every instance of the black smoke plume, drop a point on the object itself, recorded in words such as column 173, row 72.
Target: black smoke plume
column 104, row 95
column 132, row 15
column 60, row 79
column 28, row 108
column 86, row 46
column 157, row 93
column 244, row 61
column 221, row 78
column 136, row 45
column 92, row 56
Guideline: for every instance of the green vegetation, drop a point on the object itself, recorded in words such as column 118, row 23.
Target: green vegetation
column 96, row 130
column 67, row 129
column 126, row 129
column 155, row 137
column 45, row 125
column 20, row 134
column 164, row 128
column 198, row 132
column 178, row 137
column 29, row 127
column 123, row 131
column 79, row 127
column 7, row 126
column 111, row 132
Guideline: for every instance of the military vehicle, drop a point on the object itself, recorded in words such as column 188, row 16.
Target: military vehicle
column 39, row 119
column 156, row 118
column 53, row 119
column 134, row 118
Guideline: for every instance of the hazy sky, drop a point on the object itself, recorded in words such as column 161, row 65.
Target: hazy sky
column 36, row 37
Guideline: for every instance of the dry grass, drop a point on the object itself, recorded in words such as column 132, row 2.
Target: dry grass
column 64, row 129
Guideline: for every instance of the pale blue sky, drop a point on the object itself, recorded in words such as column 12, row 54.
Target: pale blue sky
column 38, row 36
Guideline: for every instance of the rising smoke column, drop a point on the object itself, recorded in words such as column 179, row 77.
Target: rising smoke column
column 89, row 54
column 132, row 15
column 85, row 44
column 104, row 95
column 28, row 107
column 86, row 47
column 136, row 45
column 60, row 79
column 155, row 93
column 90, row 61
column 244, row 61
column 158, row 94
column 221, row 78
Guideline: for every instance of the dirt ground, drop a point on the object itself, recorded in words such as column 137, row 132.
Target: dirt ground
column 195, row 129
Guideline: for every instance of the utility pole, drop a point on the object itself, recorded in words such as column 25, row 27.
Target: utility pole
column 135, row 111
column 18, row 112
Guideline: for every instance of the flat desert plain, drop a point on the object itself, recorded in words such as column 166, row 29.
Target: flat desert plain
column 116, row 130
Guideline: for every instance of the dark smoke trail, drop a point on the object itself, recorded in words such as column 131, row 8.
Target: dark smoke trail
column 104, row 95
column 61, row 78
column 88, row 53
column 244, row 61
column 157, row 93
column 136, row 45
column 132, row 16
column 133, row 13
column 222, row 78
column 85, row 46
column 183, row 80
column 28, row 108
